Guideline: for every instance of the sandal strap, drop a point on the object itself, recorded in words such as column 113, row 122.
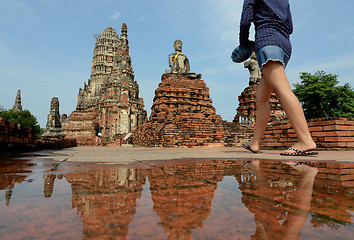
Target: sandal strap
column 293, row 149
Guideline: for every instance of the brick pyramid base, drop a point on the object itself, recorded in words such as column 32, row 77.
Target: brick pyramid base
column 181, row 115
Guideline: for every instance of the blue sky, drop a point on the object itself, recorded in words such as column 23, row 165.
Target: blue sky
column 46, row 46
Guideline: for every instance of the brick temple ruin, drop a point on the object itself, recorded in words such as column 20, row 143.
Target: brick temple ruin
column 109, row 105
column 182, row 113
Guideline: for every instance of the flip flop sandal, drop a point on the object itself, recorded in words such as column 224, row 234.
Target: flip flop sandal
column 298, row 153
column 301, row 163
column 245, row 146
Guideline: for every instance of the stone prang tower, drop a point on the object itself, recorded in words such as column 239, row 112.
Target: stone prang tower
column 108, row 106
column 106, row 48
column 53, row 128
column 18, row 106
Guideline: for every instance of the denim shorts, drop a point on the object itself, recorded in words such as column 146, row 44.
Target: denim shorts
column 271, row 53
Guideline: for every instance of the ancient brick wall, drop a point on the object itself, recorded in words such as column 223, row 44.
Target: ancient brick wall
column 182, row 115
column 12, row 133
column 328, row 133
column 14, row 137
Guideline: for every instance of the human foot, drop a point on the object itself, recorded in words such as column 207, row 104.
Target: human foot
column 246, row 146
column 296, row 152
column 301, row 149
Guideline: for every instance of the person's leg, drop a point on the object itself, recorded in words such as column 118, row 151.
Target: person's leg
column 263, row 112
column 277, row 80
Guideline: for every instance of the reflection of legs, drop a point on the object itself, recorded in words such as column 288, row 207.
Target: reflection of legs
column 267, row 224
column 302, row 198
column 276, row 78
column 263, row 112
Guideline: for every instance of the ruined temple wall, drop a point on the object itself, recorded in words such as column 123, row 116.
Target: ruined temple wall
column 328, row 133
column 13, row 133
column 15, row 137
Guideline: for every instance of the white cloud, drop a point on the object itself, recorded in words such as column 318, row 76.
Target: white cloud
column 115, row 15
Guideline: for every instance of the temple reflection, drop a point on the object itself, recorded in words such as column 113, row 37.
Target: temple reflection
column 13, row 172
column 106, row 200
column 281, row 196
column 182, row 195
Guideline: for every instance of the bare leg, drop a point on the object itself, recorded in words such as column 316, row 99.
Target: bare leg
column 275, row 76
column 263, row 112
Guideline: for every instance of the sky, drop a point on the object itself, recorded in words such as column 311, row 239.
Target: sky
column 46, row 46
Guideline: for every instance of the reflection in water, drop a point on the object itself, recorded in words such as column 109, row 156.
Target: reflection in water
column 269, row 208
column 12, row 172
column 286, row 202
column 106, row 200
column 182, row 195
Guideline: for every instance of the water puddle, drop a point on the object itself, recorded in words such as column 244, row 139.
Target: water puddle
column 182, row 199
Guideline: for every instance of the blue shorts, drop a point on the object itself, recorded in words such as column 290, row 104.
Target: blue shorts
column 271, row 53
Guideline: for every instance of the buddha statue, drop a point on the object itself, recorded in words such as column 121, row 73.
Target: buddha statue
column 255, row 73
column 179, row 63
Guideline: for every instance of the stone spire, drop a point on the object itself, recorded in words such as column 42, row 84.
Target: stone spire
column 122, row 59
column 17, row 106
column 106, row 48
column 124, row 31
column 53, row 128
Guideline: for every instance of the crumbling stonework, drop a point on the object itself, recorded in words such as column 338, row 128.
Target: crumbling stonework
column 17, row 106
column 182, row 115
column 109, row 106
column 53, row 128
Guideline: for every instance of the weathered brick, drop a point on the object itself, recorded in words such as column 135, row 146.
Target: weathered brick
column 339, row 139
column 316, row 129
column 338, row 128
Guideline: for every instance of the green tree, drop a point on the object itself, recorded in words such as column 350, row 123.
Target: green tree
column 25, row 118
column 320, row 97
